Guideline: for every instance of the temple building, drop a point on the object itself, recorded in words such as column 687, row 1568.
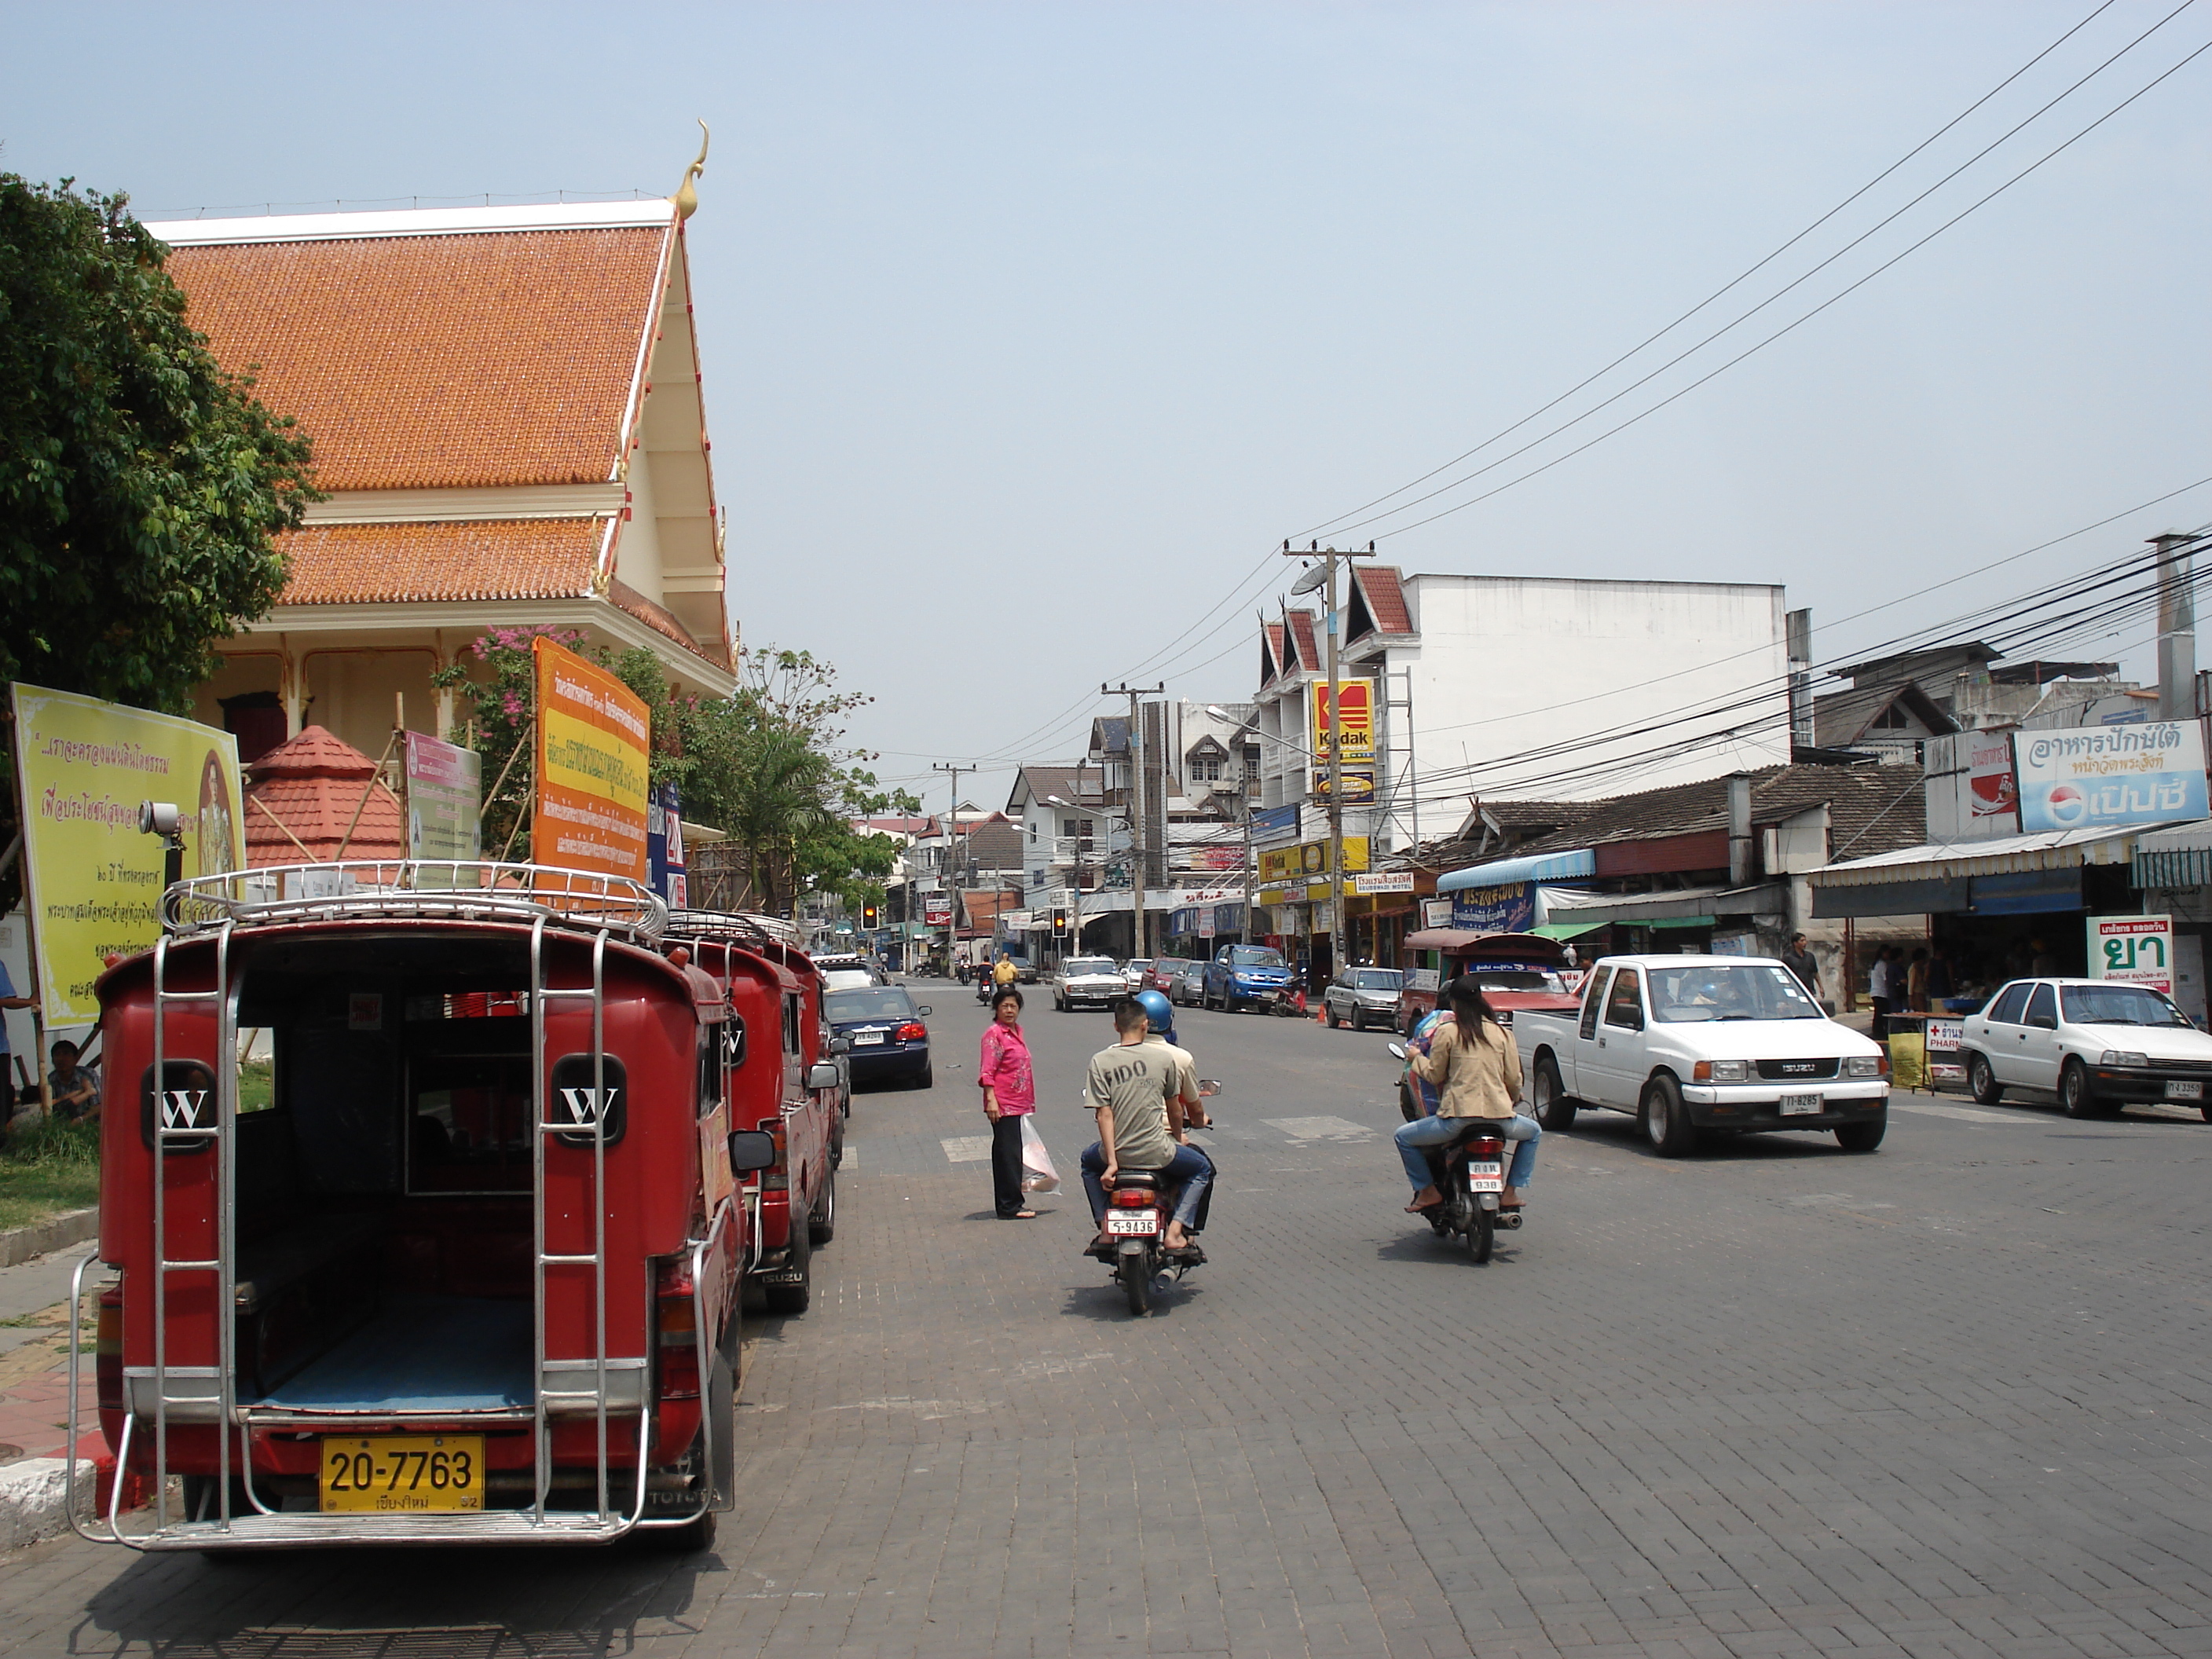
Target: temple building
column 505, row 404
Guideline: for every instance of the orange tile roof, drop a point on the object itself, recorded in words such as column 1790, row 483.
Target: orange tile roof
column 398, row 564
column 306, row 793
column 1385, row 594
column 437, row 361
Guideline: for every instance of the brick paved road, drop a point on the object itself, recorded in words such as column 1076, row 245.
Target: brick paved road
column 1949, row 1399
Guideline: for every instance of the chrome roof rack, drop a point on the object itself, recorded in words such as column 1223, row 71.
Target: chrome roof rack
column 691, row 924
column 442, row 890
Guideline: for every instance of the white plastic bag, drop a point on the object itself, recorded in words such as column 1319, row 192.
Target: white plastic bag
column 1038, row 1174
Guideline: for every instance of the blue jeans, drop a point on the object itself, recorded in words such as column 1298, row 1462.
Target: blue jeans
column 1189, row 1167
column 1423, row 1131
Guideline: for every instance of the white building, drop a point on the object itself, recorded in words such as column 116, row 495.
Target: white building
column 1526, row 686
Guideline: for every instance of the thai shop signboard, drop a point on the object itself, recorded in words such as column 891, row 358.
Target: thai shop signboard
column 95, row 881
column 1346, row 720
column 2110, row 777
column 589, row 811
column 1992, row 791
column 937, row 910
column 444, row 804
column 1510, row 907
column 2133, row 950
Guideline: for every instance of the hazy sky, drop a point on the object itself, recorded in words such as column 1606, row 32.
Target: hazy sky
column 1030, row 329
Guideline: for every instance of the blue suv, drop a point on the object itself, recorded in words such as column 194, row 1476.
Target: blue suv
column 1242, row 974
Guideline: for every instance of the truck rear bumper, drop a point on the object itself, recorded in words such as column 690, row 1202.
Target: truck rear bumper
column 1755, row 1107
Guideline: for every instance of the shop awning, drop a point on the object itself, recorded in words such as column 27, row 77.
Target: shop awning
column 2047, row 849
column 1686, row 907
column 1566, row 929
column 1547, row 866
column 2177, row 856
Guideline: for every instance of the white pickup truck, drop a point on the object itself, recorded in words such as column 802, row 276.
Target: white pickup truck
column 1696, row 1043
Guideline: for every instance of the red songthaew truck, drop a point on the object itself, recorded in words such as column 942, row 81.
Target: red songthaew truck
column 471, row 1272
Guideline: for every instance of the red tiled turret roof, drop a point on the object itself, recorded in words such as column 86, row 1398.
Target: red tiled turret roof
column 311, row 787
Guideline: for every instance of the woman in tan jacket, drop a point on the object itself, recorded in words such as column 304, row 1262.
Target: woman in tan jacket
column 1471, row 1061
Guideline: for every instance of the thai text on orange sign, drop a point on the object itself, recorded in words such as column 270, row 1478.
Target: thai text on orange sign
column 593, row 765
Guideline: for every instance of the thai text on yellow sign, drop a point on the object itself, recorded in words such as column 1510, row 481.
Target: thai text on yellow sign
column 94, row 880
column 1347, row 719
column 1308, row 859
column 594, row 764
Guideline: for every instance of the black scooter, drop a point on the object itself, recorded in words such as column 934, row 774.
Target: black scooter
column 1136, row 1248
column 1469, row 1171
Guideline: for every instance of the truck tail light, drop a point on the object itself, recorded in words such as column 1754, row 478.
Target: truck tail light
column 913, row 1031
column 107, row 1349
column 676, row 1315
column 776, row 1178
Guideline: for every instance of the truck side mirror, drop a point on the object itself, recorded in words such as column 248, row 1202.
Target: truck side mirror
column 751, row 1150
column 822, row 1075
column 840, row 1045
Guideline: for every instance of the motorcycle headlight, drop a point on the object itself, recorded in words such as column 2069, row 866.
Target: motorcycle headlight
column 1862, row 1066
column 2121, row 1057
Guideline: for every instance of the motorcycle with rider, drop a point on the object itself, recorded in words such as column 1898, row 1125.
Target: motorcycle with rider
column 1464, row 1075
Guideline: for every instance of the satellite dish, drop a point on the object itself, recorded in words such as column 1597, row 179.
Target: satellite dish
column 1315, row 575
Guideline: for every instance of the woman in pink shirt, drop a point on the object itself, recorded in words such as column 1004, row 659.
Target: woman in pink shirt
column 1009, row 1095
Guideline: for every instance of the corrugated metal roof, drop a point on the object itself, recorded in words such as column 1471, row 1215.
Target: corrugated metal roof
column 2046, row 849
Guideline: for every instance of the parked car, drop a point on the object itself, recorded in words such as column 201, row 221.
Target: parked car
column 1162, row 974
column 1359, row 996
column 1694, row 1044
column 884, row 1030
column 1189, row 986
column 1087, row 982
column 1243, row 974
column 2094, row 1044
column 1134, row 971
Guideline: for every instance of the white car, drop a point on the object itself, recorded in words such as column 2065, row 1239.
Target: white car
column 1092, row 981
column 1133, row 974
column 1696, row 1044
column 847, row 973
column 2094, row 1044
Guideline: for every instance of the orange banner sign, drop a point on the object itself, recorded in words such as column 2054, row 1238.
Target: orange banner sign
column 593, row 765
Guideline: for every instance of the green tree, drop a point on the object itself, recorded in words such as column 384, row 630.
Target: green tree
column 767, row 766
column 142, row 487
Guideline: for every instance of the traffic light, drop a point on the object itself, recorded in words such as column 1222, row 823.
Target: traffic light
column 867, row 915
column 1060, row 921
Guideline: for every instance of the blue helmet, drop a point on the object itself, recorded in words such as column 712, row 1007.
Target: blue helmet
column 1159, row 1011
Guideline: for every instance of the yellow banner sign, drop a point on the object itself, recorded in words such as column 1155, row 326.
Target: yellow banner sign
column 593, row 765
column 1346, row 720
column 94, row 880
column 1308, row 859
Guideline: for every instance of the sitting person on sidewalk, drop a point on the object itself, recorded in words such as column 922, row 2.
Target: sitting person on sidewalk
column 74, row 1092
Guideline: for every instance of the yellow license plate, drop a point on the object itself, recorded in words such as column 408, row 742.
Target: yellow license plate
column 403, row 1474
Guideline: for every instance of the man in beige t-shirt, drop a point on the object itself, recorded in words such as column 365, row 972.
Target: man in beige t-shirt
column 1135, row 1090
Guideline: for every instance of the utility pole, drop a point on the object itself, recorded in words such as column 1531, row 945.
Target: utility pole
column 1137, row 796
column 951, row 859
column 2176, row 627
column 1334, row 622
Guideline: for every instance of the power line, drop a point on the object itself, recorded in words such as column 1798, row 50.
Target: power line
column 1761, row 345
column 1330, row 525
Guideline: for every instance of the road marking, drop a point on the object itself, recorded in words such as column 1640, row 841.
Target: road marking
column 967, row 1149
column 1320, row 1128
column 1964, row 1114
column 850, row 1160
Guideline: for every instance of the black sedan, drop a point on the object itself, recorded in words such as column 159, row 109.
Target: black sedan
column 883, row 1030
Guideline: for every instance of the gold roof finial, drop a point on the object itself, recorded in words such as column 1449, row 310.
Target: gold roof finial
column 687, row 199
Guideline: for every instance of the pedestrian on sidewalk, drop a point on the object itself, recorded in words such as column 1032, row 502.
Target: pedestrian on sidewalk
column 1009, row 1095
column 1879, row 993
column 1798, row 959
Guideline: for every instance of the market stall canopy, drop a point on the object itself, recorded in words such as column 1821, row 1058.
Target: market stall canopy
column 1548, row 866
column 1456, row 941
column 1682, row 907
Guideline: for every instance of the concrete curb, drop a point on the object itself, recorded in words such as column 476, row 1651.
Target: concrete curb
column 20, row 1244
column 34, row 1498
